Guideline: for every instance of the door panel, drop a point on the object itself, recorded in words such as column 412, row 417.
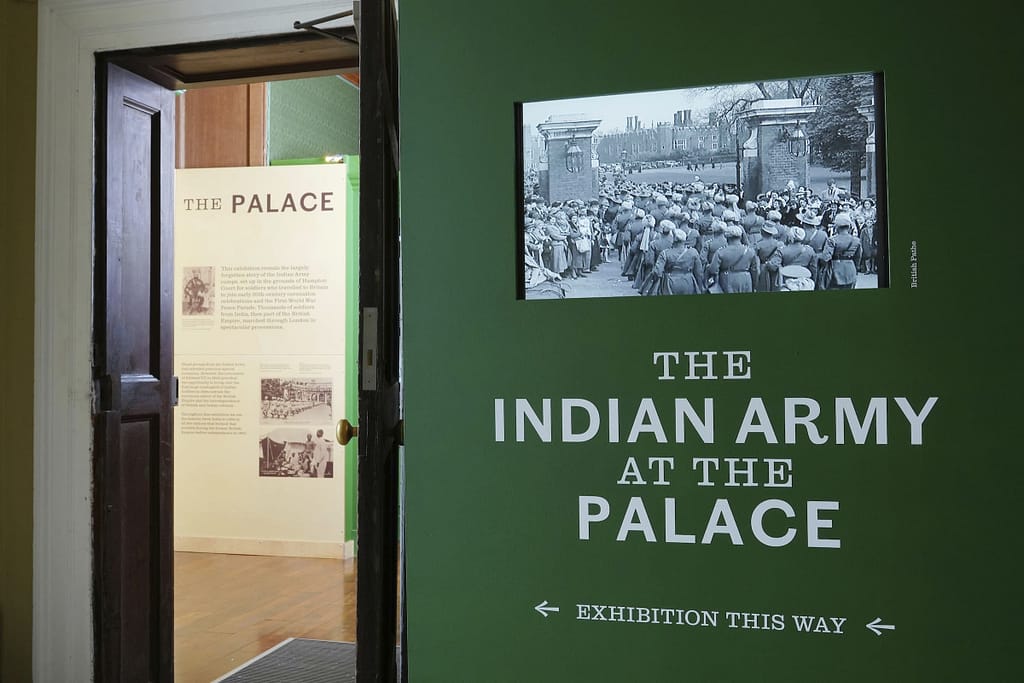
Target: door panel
column 379, row 397
column 135, row 468
column 134, row 322
column 132, row 368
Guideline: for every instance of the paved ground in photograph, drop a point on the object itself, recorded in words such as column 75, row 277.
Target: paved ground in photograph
column 608, row 282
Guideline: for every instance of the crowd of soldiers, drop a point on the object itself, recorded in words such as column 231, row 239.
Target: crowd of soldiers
column 282, row 409
column 696, row 238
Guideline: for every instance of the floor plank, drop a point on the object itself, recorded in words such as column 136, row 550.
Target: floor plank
column 230, row 608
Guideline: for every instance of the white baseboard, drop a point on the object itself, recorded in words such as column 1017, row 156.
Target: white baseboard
column 350, row 550
column 261, row 546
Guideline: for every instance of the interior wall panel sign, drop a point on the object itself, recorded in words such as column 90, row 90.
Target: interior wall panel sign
column 259, row 350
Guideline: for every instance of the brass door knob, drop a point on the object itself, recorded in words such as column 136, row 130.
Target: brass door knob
column 345, row 432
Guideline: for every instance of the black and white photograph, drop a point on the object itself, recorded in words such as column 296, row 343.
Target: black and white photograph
column 768, row 186
column 297, row 452
column 198, row 291
column 295, row 401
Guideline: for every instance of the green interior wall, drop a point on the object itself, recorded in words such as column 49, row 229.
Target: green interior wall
column 312, row 117
column 929, row 532
column 17, row 192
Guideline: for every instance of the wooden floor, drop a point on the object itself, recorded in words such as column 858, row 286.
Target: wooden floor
column 230, row 608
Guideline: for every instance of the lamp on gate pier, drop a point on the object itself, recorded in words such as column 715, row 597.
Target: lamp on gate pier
column 573, row 156
column 796, row 140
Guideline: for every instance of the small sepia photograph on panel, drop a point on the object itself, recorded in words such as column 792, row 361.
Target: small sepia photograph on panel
column 198, row 290
column 297, row 452
column 295, row 400
column 766, row 186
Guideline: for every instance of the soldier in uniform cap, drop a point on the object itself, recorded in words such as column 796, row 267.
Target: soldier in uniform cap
column 635, row 231
column 732, row 202
column 679, row 269
column 796, row 279
column 815, row 237
column 661, row 240
column 730, row 217
column 693, row 236
column 719, row 206
column 660, row 209
column 751, row 221
column 796, row 253
column 713, row 242
column 769, row 256
column 843, row 253
column 734, row 267
column 771, row 219
column 705, row 218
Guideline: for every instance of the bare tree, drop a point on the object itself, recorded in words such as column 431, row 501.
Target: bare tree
column 735, row 100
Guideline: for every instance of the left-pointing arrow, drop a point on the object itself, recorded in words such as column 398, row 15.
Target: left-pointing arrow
column 545, row 609
column 877, row 626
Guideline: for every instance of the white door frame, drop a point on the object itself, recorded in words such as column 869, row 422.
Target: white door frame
column 70, row 33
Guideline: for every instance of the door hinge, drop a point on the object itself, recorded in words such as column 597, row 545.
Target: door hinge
column 106, row 394
column 175, row 391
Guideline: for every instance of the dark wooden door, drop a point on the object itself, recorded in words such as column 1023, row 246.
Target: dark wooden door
column 378, row 619
column 133, row 366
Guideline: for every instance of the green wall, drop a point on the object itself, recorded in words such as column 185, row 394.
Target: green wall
column 929, row 532
column 312, row 117
column 17, row 191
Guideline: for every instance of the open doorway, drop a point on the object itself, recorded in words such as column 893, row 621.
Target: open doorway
column 265, row 330
column 134, row 468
